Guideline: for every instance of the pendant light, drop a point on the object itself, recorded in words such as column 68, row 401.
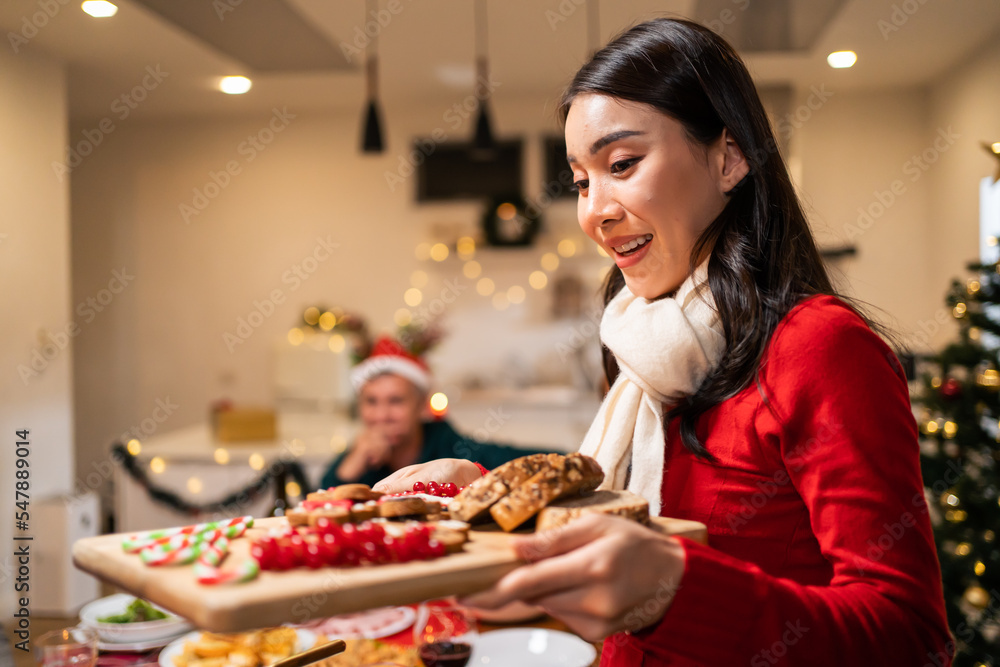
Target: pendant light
column 371, row 138
column 483, row 143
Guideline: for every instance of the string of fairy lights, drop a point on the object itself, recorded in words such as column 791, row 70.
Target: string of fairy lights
column 465, row 249
column 235, row 501
column 291, row 451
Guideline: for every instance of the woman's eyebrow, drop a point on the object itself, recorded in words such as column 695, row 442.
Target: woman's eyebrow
column 608, row 139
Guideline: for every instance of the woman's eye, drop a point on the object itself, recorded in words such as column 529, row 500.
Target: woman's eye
column 623, row 165
column 579, row 185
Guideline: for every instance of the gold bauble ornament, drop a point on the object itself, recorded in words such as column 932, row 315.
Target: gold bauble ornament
column 976, row 596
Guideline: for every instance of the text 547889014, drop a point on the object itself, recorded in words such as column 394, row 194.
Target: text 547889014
column 21, row 546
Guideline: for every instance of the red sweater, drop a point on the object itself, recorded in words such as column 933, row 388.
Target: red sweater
column 821, row 546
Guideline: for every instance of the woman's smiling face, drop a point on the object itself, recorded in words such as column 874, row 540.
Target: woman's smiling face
column 647, row 192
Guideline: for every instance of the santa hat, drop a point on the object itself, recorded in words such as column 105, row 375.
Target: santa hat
column 389, row 356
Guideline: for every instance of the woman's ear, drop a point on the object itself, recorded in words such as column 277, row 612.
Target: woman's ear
column 733, row 165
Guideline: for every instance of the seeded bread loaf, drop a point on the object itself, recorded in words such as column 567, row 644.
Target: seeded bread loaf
column 621, row 503
column 475, row 500
column 561, row 477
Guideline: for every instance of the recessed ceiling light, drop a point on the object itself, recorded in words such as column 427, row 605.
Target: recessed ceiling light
column 234, row 85
column 99, row 9
column 842, row 59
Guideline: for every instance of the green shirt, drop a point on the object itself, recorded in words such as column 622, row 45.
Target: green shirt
column 441, row 441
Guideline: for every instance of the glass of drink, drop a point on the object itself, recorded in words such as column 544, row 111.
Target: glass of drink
column 69, row 647
column 444, row 633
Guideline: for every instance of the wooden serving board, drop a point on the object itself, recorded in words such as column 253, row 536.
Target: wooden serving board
column 296, row 596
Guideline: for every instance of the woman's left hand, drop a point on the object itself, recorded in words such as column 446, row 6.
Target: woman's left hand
column 599, row 575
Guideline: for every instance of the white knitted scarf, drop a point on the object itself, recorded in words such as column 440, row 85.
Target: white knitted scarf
column 664, row 350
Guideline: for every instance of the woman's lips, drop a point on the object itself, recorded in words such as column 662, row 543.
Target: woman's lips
column 625, row 261
column 630, row 258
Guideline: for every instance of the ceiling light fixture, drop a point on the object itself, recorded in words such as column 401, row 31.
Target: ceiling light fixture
column 371, row 138
column 842, row 59
column 483, row 143
column 99, row 9
column 235, row 85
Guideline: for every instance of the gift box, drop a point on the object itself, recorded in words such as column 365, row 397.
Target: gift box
column 237, row 424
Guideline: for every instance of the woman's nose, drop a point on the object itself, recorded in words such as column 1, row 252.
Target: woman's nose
column 601, row 205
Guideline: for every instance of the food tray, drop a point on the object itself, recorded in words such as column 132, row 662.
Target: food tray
column 296, row 596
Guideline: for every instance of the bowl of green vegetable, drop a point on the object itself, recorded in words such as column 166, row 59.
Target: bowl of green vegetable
column 125, row 619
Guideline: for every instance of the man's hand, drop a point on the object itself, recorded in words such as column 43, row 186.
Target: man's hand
column 459, row 471
column 371, row 449
column 599, row 575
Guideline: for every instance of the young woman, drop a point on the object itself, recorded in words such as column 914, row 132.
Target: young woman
column 746, row 395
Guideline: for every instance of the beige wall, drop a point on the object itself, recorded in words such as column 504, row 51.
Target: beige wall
column 860, row 188
column 968, row 100
column 35, row 385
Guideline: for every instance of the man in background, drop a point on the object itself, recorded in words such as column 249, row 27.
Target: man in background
column 392, row 387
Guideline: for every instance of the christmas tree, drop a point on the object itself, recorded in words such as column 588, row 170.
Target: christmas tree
column 960, row 458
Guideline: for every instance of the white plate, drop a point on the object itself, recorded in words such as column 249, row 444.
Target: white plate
column 130, row 633
column 305, row 640
column 530, row 647
column 138, row 647
column 372, row 624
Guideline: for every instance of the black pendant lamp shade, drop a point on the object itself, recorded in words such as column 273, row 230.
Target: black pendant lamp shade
column 371, row 140
column 483, row 142
column 371, row 137
column 483, row 139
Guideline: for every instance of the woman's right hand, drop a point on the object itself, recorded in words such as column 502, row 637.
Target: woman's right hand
column 599, row 574
column 459, row 471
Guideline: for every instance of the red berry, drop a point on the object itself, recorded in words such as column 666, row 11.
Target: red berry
column 349, row 536
column 297, row 546
column 314, row 556
column 372, row 531
column 284, row 559
column 436, row 549
column 449, row 489
column 418, row 487
column 422, row 530
column 390, row 549
column 433, row 488
column 265, row 552
column 349, row 556
column 329, row 550
column 408, row 547
column 324, row 525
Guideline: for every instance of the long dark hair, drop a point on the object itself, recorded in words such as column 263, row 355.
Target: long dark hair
column 763, row 257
